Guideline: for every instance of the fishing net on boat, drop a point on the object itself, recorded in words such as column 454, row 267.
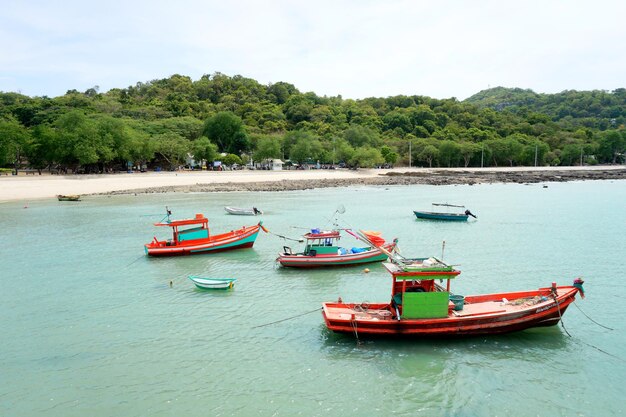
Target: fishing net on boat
column 374, row 237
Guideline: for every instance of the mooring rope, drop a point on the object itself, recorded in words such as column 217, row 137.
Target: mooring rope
column 601, row 325
column 140, row 256
column 288, row 318
column 266, row 230
column 558, row 308
column 583, row 342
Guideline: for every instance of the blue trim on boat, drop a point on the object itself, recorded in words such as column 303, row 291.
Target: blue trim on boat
column 440, row 216
column 249, row 239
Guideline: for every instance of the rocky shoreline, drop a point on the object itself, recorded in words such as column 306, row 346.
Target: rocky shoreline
column 432, row 177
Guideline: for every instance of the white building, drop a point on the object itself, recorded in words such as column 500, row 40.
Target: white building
column 276, row 165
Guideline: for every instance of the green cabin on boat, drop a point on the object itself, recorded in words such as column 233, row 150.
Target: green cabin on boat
column 425, row 300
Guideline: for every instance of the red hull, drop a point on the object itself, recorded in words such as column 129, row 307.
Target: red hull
column 484, row 315
column 238, row 239
column 306, row 261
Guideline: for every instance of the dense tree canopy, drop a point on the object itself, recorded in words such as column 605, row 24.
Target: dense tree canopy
column 170, row 121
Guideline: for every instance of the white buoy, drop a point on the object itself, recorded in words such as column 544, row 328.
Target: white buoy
column 366, row 270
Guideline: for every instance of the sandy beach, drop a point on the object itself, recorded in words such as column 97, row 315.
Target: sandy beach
column 30, row 187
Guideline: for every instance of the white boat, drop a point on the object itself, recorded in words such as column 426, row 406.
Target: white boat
column 213, row 283
column 243, row 211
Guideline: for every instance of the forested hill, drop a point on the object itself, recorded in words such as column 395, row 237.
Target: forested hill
column 595, row 109
column 162, row 122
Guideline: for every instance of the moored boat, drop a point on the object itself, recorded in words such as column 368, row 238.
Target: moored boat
column 420, row 307
column 72, row 197
column 322, row 249
column 192, row 236
column 243, row 211
column 441, row 215
column 212, row 283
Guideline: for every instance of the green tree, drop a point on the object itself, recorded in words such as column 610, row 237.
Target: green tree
column 226, row 130
column 535, row 149
column 428, row 154
column 571, row 154
column 449, row 153
column 467, row 151
column 611, row 146
column 13, row 139
column 231, row 159
column 293, row 137
column 389, row 155
column 366, row 157
column 343, row 151
column 268, row 147
column 142, row 148
column 396, row 120
column 41, row 148
column 173, row 148
column 305, row 150
column 78, row 140
column 358, row 136
column 204, row 150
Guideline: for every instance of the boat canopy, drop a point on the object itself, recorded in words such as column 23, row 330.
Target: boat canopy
column 421, row 269
column 199, row 219
column 447, row 205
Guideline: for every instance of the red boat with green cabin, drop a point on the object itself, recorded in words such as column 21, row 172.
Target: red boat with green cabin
column 192, row 236
column 420, row 307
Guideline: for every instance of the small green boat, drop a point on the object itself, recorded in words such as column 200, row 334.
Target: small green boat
column 213, row 283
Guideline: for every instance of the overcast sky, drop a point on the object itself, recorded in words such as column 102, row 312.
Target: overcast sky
column 351, row 48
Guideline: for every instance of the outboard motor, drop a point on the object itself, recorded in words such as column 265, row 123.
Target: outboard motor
column 469, row 213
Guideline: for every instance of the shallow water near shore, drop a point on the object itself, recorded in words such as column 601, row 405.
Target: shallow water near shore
column 91, row 326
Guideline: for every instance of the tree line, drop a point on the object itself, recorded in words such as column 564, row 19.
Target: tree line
column 236, row 119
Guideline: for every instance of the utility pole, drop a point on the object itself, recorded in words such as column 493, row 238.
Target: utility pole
column 535, row 155
column 482, row 154
column 581, row 156
column 410, row 153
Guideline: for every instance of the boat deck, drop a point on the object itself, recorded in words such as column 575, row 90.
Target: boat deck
column 383, row 312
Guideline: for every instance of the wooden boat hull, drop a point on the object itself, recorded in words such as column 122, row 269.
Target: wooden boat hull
column 308, row 261
column 237, row 239
column 489, row 316
column 427, row 215
column 213, row 283
column 68, row 197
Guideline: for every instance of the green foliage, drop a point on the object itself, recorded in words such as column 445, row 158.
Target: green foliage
column 267, row 147
column 172, row 147
column 428, row 153
column 306, row 150
column 366, row 157
column 503, row 126
column 204, row 149
column 231, row 159
column 13, row 139
column 226, row 130
column 612, row 146
column 389, row 155
column 358, row 136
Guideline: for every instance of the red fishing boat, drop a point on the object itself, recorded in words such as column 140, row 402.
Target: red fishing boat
column 420, row 307
column 322, row 249
column 192, row 236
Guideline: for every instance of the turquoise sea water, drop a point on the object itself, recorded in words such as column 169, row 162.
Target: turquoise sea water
column 91, row 327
